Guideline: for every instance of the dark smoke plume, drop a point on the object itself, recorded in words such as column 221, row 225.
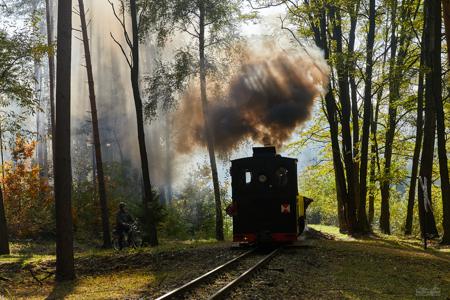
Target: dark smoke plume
column 265, row 101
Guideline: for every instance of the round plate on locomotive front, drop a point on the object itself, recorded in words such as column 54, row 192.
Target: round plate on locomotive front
column 262, row 178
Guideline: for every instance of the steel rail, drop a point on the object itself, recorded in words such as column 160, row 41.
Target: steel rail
column 184, row 288
column 226, row 289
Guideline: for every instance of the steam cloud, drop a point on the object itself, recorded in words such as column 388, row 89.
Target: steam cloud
column 265, row 101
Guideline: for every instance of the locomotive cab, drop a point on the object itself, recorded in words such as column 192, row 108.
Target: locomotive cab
column 266, row 206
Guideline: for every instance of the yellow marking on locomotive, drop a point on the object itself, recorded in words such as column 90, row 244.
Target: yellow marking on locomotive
column 300, row 206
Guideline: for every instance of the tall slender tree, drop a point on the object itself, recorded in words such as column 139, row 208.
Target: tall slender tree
column 51, row 71
column 392, row 115
column 362, row 216
column 436, row 74
column 373, row 158
column 326, row 21
column 132, row 41
column 95, row 131
column 63, row 174
column 446, row 16
column 374, row 149
column 4, row 239
column 351, row 66
column 399, row 48
column 417, row 147
column 169, row 159
column 206, row 21
column 345, row 102
column 426, row 216
column 208, row 133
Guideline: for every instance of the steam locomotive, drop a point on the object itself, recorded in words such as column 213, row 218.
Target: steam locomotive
column 266, row 207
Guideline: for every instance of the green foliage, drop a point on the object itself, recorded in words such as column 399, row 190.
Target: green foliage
column 122, row 185
column 191, row 214
column 167, row 80
column 164, row 19
column 388, row 73
column 12, row 124
column 317, row 182
column 19, row 50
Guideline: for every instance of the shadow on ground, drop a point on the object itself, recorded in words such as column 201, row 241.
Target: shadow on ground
column 61, row 290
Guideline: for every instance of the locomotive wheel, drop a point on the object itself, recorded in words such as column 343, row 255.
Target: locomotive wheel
column 301, row 225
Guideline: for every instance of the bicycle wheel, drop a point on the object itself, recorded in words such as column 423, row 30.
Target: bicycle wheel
column 136, row 241
column 115, row 242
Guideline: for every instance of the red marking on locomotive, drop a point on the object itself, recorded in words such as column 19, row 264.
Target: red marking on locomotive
column 285, row 208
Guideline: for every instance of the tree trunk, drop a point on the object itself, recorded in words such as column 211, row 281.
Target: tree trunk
column 344, row 99
column 51, row 71
column 95, row 131
column 2, row 157
column 208, row 133
column 426, row 217
column 4, row 240
column 436, row 68
column 374, row 160
column 38, row 96
column 148, row 198
column 63, row 176
column 392, row 116
column 446, row 16
column 395, row 77
column 363, row 223
column 169, row 158
column 351, row 66
column 320, row 38
column 417, row 147
column 339, row 175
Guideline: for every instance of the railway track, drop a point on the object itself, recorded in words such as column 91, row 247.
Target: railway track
column 217, row 283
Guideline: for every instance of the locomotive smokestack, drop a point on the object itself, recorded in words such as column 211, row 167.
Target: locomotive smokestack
column 268, row 98
column 264, row 151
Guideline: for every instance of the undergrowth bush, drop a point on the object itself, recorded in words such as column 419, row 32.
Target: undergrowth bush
column 27, row 196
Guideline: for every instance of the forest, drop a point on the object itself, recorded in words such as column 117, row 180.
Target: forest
column 123, row 123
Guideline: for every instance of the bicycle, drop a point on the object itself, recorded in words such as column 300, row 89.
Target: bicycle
column 132, row 238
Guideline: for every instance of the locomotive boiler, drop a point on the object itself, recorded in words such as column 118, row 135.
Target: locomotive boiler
column 266, row 206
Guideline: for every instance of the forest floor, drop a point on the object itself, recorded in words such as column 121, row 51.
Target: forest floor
column 331, row 266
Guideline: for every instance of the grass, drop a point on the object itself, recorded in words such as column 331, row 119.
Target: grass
column 377, row 267
column 25, row 252
column 383, row 267
column 105, row 286
column 101, row 274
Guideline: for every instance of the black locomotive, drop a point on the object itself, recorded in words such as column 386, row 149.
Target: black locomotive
column 266, row 206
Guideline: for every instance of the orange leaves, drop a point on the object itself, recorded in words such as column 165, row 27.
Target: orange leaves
column 23, row 150
column 27, row 196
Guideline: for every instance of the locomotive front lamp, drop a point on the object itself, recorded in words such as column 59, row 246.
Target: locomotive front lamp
column 262, row 178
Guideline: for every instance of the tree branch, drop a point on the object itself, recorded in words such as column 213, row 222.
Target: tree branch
column 122, row 23
column 122, row 49
column 270, row 4
column 187, row 31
